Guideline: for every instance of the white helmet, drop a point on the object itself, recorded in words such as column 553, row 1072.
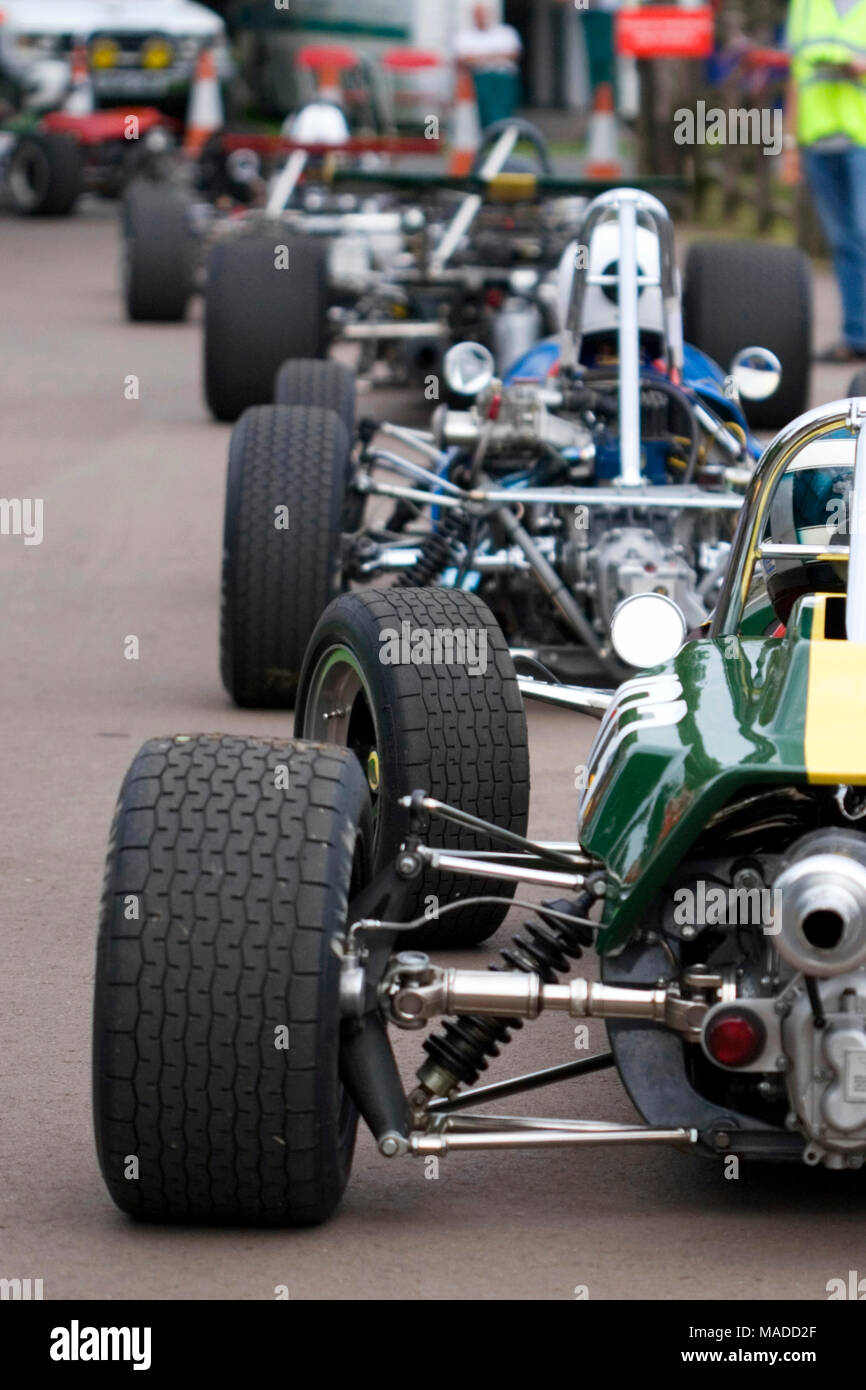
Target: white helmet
column 318, row 123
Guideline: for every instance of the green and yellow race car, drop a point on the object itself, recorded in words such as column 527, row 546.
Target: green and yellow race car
column 269, row 904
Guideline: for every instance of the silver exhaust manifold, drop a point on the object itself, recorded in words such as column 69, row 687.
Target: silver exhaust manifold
column 821, row 899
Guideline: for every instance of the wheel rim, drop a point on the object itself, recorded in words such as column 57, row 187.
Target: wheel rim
column 339, row 709
column 28, row 177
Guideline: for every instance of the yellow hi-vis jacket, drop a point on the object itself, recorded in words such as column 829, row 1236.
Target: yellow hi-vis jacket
column 822, row 35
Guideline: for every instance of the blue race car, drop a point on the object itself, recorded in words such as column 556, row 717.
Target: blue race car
column 610, row 460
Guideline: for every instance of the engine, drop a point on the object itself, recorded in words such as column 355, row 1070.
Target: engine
column 613, row 562
column 513, row 427
column 822, row 901
column 827, row 1070
column 556, row 436
column 781, row 937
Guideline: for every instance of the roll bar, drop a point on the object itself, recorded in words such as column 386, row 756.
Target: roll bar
column 816, row 424
column 631, row 208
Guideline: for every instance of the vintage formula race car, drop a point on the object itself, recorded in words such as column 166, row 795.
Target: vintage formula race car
column 268, row 903
column 615, row 466
column 397, row 264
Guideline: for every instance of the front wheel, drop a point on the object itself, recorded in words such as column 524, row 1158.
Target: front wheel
column 158, row 253
column 420, row 685
column 311, row 381
column 266, row 299
column 287, row 479
column 216, row 1028
column 46, row 176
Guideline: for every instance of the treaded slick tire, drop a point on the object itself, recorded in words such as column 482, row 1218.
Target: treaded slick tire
column 157, row 253
column 46, row 175
column 742, row 294
column 439, row 728
column 276, row 582
column 256, row 316
column 239, row 886
column 308, row 381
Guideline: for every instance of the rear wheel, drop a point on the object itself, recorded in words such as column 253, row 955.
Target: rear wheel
column 449, row 722
column 287, row 476
column 216, row 1034
column 744, row 294
column 305, row 381
column 46, row 175
column 266, row 299
column 157, row 253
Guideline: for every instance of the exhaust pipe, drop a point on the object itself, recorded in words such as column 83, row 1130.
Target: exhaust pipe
column 822, row 897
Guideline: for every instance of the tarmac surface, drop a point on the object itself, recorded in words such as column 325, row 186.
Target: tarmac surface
column 133, row 499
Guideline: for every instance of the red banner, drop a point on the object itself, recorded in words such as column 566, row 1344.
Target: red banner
column 665, row 31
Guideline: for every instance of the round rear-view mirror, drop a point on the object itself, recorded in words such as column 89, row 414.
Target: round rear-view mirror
column 469, row 368
column 756, row 373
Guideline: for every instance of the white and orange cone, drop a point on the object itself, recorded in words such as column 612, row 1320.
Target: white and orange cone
column 205, row 112
column 603, row 158
column 465, row 128
column 79, row 101
column 328, row 86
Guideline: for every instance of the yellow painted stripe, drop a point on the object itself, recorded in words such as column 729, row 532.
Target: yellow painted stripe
column 835, row 737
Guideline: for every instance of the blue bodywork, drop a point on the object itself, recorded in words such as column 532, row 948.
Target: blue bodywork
column 701, row 377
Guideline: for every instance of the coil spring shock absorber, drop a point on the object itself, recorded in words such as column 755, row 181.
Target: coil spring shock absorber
column 461, row 1050
column 438, row 551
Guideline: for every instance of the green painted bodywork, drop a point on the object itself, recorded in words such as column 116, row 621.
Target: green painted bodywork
column 679, row 741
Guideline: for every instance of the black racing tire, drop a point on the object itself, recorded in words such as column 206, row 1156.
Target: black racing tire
column 278, row 579
column 256, row 315
column 308, row 381
column 439, row 728
column 857, row 384
column 745, row 294
column 46, row 175
column 230, row 868
column 158, row 251
column 516, row 164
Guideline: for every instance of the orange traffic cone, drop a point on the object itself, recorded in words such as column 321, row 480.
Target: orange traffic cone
column 328, row 84
column 79, row 101
column 205, row 111
column 603, row 160
column 465, row 128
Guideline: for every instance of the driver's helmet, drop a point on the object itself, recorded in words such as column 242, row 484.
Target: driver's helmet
column 811, row 506
column 318, row 123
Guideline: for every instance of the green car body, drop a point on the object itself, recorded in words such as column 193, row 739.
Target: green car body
column 730, row 713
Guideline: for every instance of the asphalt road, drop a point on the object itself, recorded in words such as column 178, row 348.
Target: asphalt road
column 133, row 496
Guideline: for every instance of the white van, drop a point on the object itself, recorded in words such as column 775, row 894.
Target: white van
column 140, row 51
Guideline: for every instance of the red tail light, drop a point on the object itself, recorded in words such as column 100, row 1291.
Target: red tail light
column 735, row 1038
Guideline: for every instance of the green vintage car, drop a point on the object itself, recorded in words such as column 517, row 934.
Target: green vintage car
column 269, row 904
